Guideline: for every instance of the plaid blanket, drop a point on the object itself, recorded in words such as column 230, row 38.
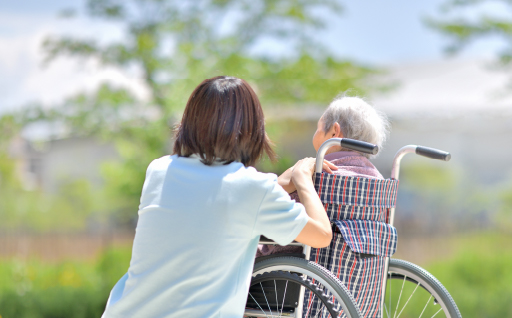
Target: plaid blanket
column 359, row 207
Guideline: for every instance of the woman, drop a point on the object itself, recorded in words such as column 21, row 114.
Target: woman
column 204, row 208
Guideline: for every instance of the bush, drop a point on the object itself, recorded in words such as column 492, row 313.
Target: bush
column 35, row 289
column 479, row 277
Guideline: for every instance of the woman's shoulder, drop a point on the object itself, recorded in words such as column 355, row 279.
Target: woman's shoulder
column 165, row 160
column 257, row 177
column 234, row 172
column 251, row 181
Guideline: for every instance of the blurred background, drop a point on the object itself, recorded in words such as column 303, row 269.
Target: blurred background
column 90, row 91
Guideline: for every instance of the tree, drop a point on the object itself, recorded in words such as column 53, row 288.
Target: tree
column 463, row 30
column 174, row 45
column 463, row 27
column 168, row 40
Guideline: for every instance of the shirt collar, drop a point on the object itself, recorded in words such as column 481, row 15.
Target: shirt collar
column 216, row 162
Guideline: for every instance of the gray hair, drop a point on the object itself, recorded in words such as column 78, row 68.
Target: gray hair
column 357, row 119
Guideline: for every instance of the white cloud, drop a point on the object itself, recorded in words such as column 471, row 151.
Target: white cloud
column 23, row 79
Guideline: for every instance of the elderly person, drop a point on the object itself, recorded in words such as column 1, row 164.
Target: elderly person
column 346, row 117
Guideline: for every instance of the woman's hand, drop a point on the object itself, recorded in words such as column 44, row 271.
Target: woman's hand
column 286, row 179
column 317, row 232
column 304, row 169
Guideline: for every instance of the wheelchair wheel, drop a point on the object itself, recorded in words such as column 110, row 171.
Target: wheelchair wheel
column 275, row 294
column 331, row 296
column 413, row 292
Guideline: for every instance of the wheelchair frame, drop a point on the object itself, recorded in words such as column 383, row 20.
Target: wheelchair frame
column 402, row 269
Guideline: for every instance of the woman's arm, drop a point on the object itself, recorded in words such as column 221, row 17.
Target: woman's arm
column 317, row 232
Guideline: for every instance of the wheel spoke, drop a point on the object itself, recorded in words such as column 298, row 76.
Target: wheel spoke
column 311, row 300
column 386, row 310
column 284, row 296
column 425, row 306
column 258, row 305
column 318, row 311
column 408, row 300
column 277, row 302
column 437, row 312
column 400, row 296
column 265, row 295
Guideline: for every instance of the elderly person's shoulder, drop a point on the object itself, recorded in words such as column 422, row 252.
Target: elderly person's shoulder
column 353, row 164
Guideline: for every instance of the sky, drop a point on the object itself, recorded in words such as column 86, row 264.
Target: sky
column 374, row 32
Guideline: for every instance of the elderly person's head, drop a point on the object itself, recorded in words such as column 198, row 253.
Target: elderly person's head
column 351, row 117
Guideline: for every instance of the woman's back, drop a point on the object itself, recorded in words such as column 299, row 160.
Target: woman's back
column 197, row 224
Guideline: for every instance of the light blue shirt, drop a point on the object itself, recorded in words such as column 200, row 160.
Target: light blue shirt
column 196, row 239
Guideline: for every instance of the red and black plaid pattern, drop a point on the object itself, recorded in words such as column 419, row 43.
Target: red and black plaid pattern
column 359, row 207
column 356, row 197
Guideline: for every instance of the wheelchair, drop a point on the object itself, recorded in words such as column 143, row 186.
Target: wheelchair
column 354, row 276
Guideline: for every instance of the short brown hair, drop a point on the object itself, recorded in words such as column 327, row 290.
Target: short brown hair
column 223, row 121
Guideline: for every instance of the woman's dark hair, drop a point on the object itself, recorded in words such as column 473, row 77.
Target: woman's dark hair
column 223, row 121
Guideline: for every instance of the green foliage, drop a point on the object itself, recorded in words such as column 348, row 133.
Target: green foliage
column 478, row 277
column 463, row 28
column 434, row 185
column 66, row 210
column 173, row 46
column 503, row 218
column 433, row 190
column 113, row 264
column 428, row 176
column 34, row 289
column 167, row 40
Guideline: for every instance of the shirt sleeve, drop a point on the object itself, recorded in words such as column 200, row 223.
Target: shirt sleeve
column 279, row 217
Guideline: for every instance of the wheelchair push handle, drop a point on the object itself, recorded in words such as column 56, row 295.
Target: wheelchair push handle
column 346, row 143
column 433, row 153
column 361, row 146
column 419, row 150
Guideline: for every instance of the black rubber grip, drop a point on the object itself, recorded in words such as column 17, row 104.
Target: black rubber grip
column 360, row 146
column 433, row 153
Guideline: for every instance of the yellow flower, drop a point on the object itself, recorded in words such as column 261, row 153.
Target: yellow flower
column 69, row 277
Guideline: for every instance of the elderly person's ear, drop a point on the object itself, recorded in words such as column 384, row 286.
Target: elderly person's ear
column 335, row 131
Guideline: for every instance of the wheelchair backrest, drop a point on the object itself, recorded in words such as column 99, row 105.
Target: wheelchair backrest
column 359, row 207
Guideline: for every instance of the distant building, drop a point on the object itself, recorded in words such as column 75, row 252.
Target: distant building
column 45, row 165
